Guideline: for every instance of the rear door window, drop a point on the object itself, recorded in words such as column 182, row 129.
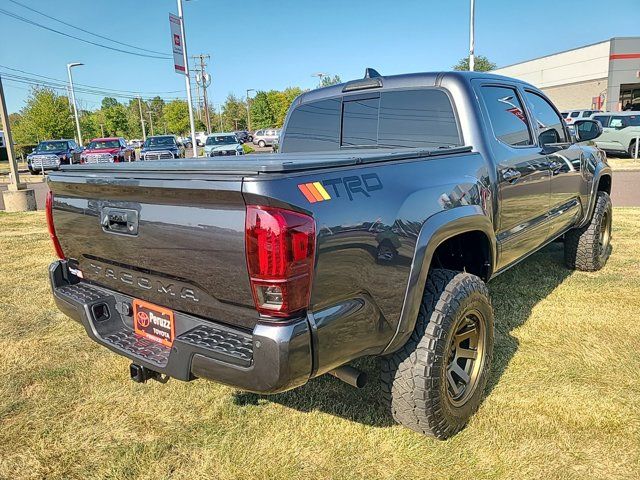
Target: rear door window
column 417, row 118
column 360, row 122
column 575, row 114
column 508, row 120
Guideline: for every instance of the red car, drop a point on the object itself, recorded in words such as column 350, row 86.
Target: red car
column 108, row 150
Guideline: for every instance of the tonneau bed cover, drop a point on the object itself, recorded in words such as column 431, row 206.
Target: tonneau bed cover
column 267, row 163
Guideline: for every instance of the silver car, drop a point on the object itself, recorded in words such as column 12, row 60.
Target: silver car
column 266, row 137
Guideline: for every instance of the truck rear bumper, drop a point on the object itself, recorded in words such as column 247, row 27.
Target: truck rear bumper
column 271, row 359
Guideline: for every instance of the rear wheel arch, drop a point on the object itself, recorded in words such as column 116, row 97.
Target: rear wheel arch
column 438, row 237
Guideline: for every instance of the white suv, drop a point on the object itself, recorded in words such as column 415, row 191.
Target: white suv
column 571, row 116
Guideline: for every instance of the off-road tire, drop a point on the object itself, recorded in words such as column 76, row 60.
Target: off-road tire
column 632, row 149
column 584, row 248
column 414, row 378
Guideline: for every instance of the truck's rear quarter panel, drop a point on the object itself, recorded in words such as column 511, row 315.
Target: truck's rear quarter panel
column 366, row 240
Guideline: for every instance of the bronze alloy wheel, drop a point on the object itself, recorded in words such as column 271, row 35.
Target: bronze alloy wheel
column 466, row 357
column 605, row 233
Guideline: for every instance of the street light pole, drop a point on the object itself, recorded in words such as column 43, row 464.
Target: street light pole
column 73, row 99
column 472, row 58
column 248, row 109
column 187, row 80
column 144, row 133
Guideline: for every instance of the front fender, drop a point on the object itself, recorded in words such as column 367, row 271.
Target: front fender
column 435, row 230
column 602, row 168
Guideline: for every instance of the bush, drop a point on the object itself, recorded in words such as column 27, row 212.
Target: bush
column 247, row 148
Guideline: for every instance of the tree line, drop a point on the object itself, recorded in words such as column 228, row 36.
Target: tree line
column 49, row 115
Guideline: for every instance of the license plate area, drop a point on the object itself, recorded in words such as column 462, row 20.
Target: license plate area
column 153, row 322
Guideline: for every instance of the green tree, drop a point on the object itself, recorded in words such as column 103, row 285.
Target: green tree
column 176, row 117
column 261, row 113
column 481, row 64
column 234, row 112
column 116, row 121
column 329, row 80
column 46, row 115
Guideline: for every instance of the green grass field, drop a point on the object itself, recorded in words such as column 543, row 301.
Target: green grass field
column 563, row 400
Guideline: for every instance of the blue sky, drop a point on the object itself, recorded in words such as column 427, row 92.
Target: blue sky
column 264, row 45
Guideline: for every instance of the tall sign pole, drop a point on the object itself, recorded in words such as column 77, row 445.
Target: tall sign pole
column 472, row 58
column 144, row 133
column 181, row 64
column 73, row 99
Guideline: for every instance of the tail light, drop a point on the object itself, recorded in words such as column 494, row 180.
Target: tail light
column 52, row 229
column 280, row 247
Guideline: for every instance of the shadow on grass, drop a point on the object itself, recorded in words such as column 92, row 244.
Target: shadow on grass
column 514, row 294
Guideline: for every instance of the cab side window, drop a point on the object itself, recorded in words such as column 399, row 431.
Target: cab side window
column 549, row 125
column 603, row 119
column 508, row 119
column 618, row 123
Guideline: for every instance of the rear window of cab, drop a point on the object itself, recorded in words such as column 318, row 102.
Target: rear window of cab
column 421, row 118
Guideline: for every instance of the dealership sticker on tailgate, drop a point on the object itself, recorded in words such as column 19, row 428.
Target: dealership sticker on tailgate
column 153, row 322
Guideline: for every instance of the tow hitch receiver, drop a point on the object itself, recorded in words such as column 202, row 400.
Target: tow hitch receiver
column 140, row 374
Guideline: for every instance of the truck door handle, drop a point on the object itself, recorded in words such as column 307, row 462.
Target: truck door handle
column 554, row 166
column 511, row 175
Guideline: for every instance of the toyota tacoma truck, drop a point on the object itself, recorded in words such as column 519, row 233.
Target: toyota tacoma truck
column 373, row 232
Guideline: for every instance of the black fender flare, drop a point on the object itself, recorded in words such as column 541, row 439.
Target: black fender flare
column 602, row 169
column 435, row 230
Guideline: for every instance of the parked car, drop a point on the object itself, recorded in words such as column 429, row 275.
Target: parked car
column 201, row 138
column 266, row 138
column 619, row 131
column 185, row 142
column 394, row 200
column 219, row 144
column 161, row 147
column 108, row 150
column 50, row 154
column 244, row 136
column 571, row 116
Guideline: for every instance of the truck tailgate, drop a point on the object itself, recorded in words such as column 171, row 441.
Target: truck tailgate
column 167, row 239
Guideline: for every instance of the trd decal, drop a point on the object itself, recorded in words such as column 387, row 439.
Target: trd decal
column 314, row 192
column 340, row 186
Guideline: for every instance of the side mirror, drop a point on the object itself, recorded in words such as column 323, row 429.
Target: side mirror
column 586, row 130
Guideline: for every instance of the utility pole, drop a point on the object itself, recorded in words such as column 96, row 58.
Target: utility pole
column 150, row 122
column 187, row 79
column 17, row 198
column 472, row 58
column 236, row 120
column 203, row 79
column 144, row 133
column 102, row 129
column 248, row 109
column 198, row 102
column 73, row 98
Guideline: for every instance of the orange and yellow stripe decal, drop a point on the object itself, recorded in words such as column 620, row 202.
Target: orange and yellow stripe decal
column 314, row 192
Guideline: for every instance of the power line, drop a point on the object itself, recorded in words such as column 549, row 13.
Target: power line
column 87, row 31
column 90, row 86
column 31, row 22
column 63, row 87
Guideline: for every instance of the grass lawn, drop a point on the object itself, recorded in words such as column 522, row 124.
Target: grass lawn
column 622, row 164
column 4, row 166
column 563, row 400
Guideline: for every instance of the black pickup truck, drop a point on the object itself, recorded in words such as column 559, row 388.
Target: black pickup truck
column 393, row 200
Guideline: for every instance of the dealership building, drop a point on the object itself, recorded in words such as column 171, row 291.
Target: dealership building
column 604, row 76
